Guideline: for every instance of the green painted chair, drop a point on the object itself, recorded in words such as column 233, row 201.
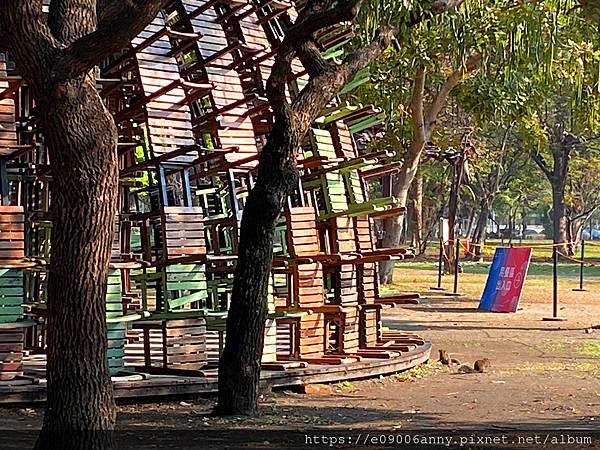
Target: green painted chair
column 337, row 186
column 174, row 289
column 116, row 322
column 12, row 291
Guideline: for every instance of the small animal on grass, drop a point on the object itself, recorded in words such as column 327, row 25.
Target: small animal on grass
column 480, row 366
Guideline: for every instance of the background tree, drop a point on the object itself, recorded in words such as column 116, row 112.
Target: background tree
column 56, row 55
column 415, row 86
column 583, row 188
column 499, row 158
column 546, row 80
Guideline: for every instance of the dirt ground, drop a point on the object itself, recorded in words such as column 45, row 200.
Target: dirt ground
column 543, row 375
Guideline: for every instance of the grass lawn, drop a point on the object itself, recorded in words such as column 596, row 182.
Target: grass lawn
column 419, row 276
column 541, row 248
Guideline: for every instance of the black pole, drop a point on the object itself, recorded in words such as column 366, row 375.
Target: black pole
column 456, row 257
column 581, row 263
column 554, row 287
column 440, row 265
column 554, row 282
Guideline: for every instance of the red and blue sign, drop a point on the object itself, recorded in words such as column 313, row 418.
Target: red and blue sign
column 505, row 279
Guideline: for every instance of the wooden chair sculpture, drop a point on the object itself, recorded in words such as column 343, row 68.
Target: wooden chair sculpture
column 311, row 328
column 222, row 116
column 371, row 302
column 8, row 134
column 117, row 315
column 177, row 275
column 188, row 97
column 12, row 265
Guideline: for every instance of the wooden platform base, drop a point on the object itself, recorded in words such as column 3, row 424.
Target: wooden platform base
column 131, row 386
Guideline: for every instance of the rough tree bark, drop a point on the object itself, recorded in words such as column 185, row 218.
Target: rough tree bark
column 56, row 56
column 239, row 366
column 423, row 123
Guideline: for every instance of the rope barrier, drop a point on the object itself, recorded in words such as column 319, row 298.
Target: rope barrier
column 532, row 245
column 578, row 261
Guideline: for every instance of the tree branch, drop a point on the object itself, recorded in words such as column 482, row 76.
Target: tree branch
column 24, row 32
column 119, row 22
column 299, row 40
column 277, row 82
column 310, row 57
column 453, row 80
column 326, row 85
column 416, row 108
column 587, row 213
column 317, row 15
column 71, row 19
column 542, row 164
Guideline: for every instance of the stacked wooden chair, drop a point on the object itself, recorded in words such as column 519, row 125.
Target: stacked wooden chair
column 299, row 289
column 122, row 308
column 12, row 266
column 174, row 290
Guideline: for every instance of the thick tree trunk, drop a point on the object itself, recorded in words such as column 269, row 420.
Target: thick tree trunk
column 82, row 138
column 239, row 367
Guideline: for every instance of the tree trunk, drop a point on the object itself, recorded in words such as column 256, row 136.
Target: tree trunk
column 511, row 225
column 453, row 212
column 470, row 221
column 393, row 226
column 481, row 229
column 423, row 124
column 561, row 144
column 409, row 222
column 239, row 367
column 559, row 218
column 417, row 234
column 82, row 139
column 82, row 142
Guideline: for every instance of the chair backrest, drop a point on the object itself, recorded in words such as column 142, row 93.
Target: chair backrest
column 363, row 233
column 183, row 232
column 115, row 249
column 8, row 134
column 235, row 127
column 169, row 119
column 12, row 234
column 303, row 238
column 342, row 235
